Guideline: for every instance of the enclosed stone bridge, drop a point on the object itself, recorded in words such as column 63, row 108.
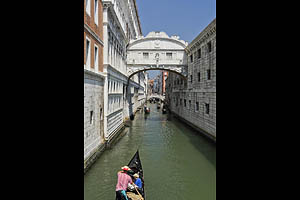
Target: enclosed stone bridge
column 157, row 51
column 159, row 96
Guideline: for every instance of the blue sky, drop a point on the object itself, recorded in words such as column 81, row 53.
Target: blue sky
column 185, row 18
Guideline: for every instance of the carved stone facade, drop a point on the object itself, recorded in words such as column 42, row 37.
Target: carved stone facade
column 122, row 97
column 194, row 99
column 156, row 51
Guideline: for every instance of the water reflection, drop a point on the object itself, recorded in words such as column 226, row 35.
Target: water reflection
column 178, row 163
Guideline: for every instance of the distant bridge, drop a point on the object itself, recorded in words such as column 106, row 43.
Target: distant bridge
column 159, row 96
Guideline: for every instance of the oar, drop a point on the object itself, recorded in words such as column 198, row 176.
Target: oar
column 138, row 192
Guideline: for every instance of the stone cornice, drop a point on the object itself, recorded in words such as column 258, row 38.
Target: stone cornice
column 138, row 18
column 97, row 74
column 205, row 34
column 157, row 38
column 90, row 31
column 115, row 73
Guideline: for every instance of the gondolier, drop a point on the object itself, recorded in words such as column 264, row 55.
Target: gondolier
column 136, row 167
column 123, row 180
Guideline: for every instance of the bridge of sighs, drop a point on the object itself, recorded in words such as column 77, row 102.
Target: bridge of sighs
column 157, row 51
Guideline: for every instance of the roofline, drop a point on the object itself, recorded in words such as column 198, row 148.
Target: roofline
column 137, row 14
column 155, row 38
column 202, row 33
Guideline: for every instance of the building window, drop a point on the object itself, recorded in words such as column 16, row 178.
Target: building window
column 96, row 58
column 96, row 12
column 208, row 74
column 190, row 104
column 181, row 102
column 184, row 102
column 145, row 55
column 88, row 7
column 101, row 114
column 169, row 55
column 198, row 76
column 197, row 106
column 88, row 52
column 207, row 108
column 91, row 117
column 191, row 58
column 209, row 46
column 199, row 53
column 191, row 78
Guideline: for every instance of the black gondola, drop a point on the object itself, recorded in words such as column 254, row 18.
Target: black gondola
column 147, row 110
column 164, row 109
column 136, row 166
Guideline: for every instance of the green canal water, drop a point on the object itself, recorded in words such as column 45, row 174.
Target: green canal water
column 178, row 163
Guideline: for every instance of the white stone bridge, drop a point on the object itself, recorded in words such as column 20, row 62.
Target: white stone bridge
column 159, row 96
column 157, row 51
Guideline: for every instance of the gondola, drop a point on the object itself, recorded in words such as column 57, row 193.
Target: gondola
column 164, row 109
column 147, row 110
column 158, row 106
column 136, row 167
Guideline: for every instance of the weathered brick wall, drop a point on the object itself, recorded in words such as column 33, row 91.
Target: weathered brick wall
column 90, row 20
column 93, row 86
column 98, row 30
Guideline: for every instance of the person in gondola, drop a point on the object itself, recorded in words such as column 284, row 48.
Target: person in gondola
column 123, row 180
column 138, row 183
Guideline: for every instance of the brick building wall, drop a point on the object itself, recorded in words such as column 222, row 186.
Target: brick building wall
column 94, row 81
column 94, row 32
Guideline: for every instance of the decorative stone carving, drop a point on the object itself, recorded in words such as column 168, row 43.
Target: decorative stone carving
column 156, row 44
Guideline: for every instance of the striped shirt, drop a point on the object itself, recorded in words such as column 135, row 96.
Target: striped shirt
column 123, row 180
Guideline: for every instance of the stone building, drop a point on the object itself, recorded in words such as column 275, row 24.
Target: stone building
column 93, row 80
column 193, row 98
column 122, row 95
column 157, row 51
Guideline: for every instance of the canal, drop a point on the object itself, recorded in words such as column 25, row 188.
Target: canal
column 178, row 163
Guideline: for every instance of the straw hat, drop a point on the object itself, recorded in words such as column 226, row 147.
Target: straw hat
column 136, row 176
column 125, row 168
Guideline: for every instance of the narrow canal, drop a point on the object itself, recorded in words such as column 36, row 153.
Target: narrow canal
column 178, row 163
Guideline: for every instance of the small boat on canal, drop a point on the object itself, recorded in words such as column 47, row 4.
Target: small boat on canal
column 147, row 110
column 164, row 109
column 136, row 167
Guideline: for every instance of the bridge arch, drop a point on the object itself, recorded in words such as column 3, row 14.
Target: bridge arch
column 142, row 69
